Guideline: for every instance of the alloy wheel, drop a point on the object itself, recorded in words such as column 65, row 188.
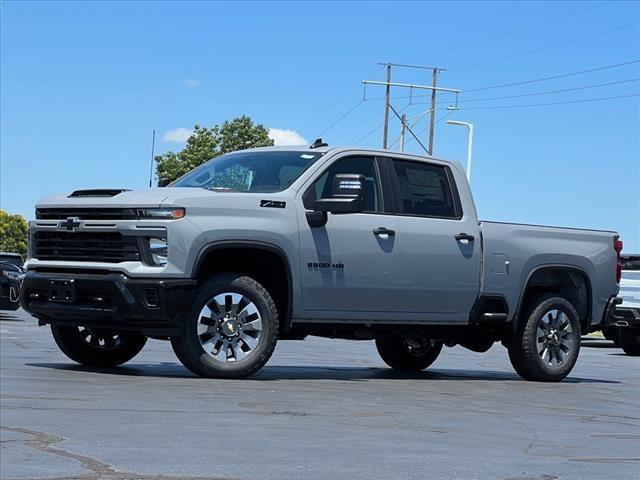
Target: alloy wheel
column 99, row 338
column 554, row 338
column 229, row 327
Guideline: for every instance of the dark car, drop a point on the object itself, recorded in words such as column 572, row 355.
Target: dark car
column 12, row 258
column 10, row 277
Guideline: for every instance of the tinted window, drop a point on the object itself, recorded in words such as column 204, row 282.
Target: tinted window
column 365, row 166
column 424, row 190
column 250, row 171
column 630, row 262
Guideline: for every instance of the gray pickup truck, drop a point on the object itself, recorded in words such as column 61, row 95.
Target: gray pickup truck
column 281, row 243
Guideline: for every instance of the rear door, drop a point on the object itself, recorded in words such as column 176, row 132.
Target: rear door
column 437, row 260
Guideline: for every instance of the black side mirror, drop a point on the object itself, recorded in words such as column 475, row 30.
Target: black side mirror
column 163, row 182
column 347, row 195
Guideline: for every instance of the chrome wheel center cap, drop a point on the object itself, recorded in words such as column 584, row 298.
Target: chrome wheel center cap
column 553, row 338
column 230, row 327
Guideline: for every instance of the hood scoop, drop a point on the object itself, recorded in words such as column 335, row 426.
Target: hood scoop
column 96, row 193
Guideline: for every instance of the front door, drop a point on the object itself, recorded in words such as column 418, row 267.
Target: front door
column 347, row 264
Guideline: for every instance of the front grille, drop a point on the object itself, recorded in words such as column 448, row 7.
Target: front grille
column 111, row 247
column 86, row 213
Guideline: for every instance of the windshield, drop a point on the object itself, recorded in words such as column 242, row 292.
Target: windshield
column 249, row 171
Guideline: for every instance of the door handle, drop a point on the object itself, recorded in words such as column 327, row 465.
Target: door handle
column 465, row 236
column 383, row 231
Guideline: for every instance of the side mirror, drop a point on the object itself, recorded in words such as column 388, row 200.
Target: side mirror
column 163, row 182
column 347, row 195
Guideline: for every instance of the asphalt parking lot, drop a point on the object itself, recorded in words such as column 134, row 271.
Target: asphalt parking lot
column 320, row 409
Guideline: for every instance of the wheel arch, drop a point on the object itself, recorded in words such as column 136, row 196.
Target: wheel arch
column 240, row 256
column 569, row 281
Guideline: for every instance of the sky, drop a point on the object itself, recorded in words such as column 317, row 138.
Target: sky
column 83, row 85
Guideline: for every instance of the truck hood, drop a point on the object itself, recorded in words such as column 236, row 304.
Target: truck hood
column 152, row 197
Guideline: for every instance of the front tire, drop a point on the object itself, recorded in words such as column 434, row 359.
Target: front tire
column 546, row 344
column 406, row 354
column 629, row 340
column 97, row 347
column 232, row 330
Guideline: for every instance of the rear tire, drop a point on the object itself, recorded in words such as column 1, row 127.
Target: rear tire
column 403, row 354
column 231, row 331
column 629, row 340
column 546, row 344
column 97, row 347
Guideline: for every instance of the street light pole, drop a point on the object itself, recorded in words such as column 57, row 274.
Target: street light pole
column 469, row 143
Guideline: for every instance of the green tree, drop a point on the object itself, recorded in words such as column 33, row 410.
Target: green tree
column 14, row 232
column 207, row 143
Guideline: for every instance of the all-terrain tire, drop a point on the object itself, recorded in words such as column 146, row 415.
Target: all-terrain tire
column 525, row 357
column 97, row 347
column 629, row 340
column 189, row 347
column 398, row 354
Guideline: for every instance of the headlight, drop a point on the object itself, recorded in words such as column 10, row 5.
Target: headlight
column 164, row 213
column 158, row 251
column 11, row 275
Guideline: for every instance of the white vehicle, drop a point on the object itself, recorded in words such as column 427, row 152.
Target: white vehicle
column 627, row 314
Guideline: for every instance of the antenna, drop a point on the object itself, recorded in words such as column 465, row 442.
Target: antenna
column 153, row 146
column 319, row 143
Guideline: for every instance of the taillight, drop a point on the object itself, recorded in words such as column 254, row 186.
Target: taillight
column 617, row 246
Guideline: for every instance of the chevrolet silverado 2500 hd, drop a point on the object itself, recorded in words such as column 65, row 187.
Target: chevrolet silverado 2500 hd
column 280, row 243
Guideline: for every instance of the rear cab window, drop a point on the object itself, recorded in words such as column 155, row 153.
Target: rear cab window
column 425, row 190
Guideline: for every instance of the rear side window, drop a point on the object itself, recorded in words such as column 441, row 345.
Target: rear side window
column 424, row 190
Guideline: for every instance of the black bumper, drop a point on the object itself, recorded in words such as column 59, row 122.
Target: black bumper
column 608, row 319
column 109, row 300
column 9, row 292
column 627, row 317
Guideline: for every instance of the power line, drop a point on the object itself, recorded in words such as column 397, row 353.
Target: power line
column 510, row 32
column 443, row 117
column 331, row 107
column 564, row 75
column 585, row 100
column 351, row 110
column 546, row 47
column 379, row 126
column 548, row 92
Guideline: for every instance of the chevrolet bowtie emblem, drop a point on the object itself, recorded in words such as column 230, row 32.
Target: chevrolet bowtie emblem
column 70, row 224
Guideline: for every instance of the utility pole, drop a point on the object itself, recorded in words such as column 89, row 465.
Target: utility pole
column 403, row 130
column 385, row 134
column 153, row 146
column 432, row 116
column 388, row 107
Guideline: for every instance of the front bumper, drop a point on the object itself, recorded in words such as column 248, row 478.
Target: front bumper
column 110, row 300
column 9, row 295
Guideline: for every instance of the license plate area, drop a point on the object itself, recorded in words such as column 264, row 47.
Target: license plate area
column 62, row 291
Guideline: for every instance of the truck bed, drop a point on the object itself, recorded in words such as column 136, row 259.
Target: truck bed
column 512, row 252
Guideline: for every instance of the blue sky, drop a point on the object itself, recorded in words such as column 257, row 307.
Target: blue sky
column 84, row 85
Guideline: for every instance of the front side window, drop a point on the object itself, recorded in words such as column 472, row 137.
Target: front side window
column 248, row 171
column 424, row 190
column 359, row 165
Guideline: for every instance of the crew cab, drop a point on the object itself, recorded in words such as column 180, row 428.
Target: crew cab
column 285, row 242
